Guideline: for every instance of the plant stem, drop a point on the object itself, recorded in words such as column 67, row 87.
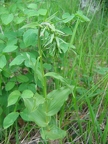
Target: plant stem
column 74, row 32
column 41, row 62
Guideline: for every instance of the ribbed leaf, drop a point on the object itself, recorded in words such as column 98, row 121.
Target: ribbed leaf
column 33, row 103
column 53, row 133
column 57, row 99
column 38, row 116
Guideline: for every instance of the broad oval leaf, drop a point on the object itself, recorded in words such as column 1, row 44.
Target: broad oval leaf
column 33, row 102
column 18, row 60
column 38, row 116
column 10, row 48
column 29, row 37
column 52, row 133
column 67, row 17
column 13, row 97
column 31, row 12
column 19, row 20
column 42, row 12
column 32, row 6
column 10, row 119
column 7, row 18
column 25, row 114
column 3, row 61
column 27, row 94
column 30, row 104
column 57, row 99
column 39, row 99
column 9, row 86
column 22, row 78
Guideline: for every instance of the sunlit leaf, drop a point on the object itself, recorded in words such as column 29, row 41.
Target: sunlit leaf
column 27, row 94
column 82, row 17
column 7, row 18
column 10, row 48
column 29, row 37
column 56, row 76
column 17, row 60
column 33, row 102
column 19, row 20
column 57, row 99
column 52, row 133
column 67, row 17
column 42, row 11
column 13, row 97
column 31, row 12
column 10, row 119
column 32, row 6
column 38, row 116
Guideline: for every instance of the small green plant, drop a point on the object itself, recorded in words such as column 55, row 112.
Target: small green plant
column 31, row 48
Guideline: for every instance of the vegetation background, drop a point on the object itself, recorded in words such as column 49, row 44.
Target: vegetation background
column 53, row 72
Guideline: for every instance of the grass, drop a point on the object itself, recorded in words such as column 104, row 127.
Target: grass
column 84, row 115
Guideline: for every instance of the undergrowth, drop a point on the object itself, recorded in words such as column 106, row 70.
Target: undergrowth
column 53, row 73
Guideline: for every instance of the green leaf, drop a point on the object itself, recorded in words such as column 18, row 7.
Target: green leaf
column 12, row 41
column 47, row 66
column 67, row 30
column 82, row 17
column 67, row 17
column 22, row 78
column 26, row 115
column 102, row 70
column 32, row 103
column 10, row 119
column 27, row 94
column 29, row 37
column 105, row 133
column 1, row 110
column 19, row 20
column 42, row 12
column 64, row 47
column 57, row 99
column 31, row 13
column 32, row 87
column 56, row 76
column 9, row 86
column 38, row 116
column 7, row 18
column 18, row 60
column 32, row 6
column 10, row 48
column 3, row 61
column 3, row 10
column 39, row 99
column 13, row 97
column 52, row 133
